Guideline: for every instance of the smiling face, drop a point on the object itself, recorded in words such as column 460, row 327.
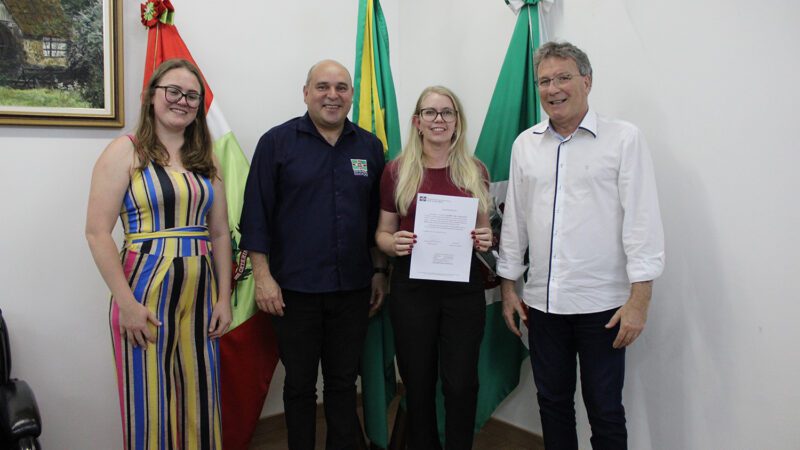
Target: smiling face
column 328, row 95
column 179, row 115
column 567, row 103
column 436, row 132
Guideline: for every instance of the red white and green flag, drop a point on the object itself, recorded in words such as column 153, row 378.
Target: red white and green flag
column 248, row 351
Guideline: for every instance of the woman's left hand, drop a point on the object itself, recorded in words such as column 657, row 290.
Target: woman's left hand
column 221, row 319
column 482, row 239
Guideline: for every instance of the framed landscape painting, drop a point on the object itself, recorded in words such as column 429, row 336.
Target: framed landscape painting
column 61, row 63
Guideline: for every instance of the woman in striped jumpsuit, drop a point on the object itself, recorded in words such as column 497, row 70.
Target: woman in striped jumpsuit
column 170, row 292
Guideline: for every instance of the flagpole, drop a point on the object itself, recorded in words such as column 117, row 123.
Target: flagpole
column 157, row 46
column 530, row 30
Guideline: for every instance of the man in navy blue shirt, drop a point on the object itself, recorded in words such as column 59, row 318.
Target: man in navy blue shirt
column 310, row 210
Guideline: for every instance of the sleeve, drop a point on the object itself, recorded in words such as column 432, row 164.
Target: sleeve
column 259, row 198
column 388, row 184
column 484, row 173
column 375, row 194
column 642, row 231
column 514, row 233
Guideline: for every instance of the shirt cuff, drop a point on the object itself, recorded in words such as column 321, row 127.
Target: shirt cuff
column 645, row 269
column 254, row 244
column 509, row 270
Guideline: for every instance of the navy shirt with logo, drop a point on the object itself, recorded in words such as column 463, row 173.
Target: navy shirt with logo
column 312, row 208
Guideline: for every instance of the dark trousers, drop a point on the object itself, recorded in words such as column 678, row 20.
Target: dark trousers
column 555, row 340
column 438, row 327
column 329, row 327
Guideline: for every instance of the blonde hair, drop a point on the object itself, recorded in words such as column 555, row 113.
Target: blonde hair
column 465, row 170
column 197, row 146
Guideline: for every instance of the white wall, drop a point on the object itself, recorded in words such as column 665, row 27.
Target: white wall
column 710, row 83
column 52, row 296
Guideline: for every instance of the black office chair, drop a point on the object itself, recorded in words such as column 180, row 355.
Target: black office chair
column 20, row 424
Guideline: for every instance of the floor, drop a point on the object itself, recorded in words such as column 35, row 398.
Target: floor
column 271, row 435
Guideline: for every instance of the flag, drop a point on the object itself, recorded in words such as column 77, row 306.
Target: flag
column 514, row 107
column 374, row 103
column 248, row 351
column 375, row 110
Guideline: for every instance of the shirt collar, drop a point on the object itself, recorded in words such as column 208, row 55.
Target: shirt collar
column 589, row 123
column 307, row 126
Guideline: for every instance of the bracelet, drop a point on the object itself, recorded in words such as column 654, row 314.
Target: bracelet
column 383, row 270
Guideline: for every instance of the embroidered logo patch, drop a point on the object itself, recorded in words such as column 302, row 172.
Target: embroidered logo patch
column 359, row 167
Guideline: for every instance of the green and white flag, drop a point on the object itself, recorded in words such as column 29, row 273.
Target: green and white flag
column 514, row 107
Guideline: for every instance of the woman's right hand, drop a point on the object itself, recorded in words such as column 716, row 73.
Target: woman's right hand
column 133, row 318
column 110, row 179
column 403, row 242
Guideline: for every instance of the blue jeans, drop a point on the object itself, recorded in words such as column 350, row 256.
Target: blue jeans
column 555, row 341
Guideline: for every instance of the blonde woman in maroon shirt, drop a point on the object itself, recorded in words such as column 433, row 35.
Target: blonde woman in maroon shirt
column 438, row 325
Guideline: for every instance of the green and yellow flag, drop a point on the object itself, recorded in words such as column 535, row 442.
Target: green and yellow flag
column 375, row 110
column 374, row 104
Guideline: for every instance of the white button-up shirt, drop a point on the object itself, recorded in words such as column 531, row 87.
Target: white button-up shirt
column 586, row 207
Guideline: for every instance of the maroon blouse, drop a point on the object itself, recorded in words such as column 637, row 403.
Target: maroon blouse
column 434, row 181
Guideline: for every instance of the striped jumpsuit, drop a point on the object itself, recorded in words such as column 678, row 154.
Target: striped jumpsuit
column 169, row 393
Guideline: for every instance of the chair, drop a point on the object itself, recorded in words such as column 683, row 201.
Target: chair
column 20, row 424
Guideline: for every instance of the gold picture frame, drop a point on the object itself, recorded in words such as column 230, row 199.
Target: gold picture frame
column 61, row 63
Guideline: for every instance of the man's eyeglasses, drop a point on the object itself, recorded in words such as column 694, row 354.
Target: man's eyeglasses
column 173, row 95
column 429, row 114
column 557, row 81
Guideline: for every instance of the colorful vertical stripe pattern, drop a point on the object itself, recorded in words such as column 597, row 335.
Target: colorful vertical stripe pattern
column 249, row 349
column 169, row 392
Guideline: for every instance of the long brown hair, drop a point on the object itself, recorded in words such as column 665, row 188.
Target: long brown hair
column 197, row 148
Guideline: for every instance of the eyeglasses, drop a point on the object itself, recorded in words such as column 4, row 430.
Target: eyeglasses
column 557, row 81
column 173, row 95
column 429, row 115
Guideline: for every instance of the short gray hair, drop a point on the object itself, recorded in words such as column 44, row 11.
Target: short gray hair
column 562, row 50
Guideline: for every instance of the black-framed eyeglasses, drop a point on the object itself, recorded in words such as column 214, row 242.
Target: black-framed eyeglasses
column 557, row 81
column 173, row 95
column 429, row 114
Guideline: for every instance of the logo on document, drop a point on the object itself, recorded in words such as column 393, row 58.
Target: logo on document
column 359, row 167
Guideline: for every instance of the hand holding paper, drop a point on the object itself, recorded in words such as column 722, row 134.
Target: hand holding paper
column 443, row 225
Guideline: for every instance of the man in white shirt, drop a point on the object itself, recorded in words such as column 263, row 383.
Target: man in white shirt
column 582, row 204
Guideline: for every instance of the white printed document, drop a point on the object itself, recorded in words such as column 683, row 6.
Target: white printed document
column 443, row 225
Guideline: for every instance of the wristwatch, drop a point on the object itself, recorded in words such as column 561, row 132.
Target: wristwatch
column 383, row 270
